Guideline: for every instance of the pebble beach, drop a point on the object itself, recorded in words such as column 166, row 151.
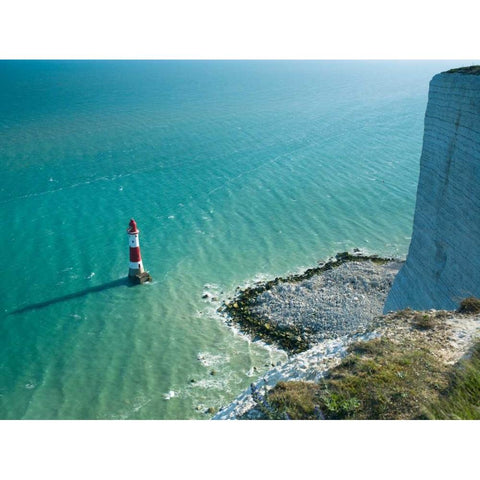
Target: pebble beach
column 321, row 311
column 334, row 299
column 333, row 306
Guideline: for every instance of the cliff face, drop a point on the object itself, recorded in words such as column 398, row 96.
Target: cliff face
column 443, row 262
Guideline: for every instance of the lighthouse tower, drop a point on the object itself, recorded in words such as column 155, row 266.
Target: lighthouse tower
column 136, row 271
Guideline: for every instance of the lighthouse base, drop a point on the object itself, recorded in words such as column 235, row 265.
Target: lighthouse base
column 140, row 278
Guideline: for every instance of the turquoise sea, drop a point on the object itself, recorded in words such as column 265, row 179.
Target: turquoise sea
column 234, row 171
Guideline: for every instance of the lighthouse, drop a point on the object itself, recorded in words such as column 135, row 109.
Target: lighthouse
column 136, row 272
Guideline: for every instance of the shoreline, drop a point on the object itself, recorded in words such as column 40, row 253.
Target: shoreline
column 315, row 354
column 449, row 338
column 309, row 355
column 296, row 312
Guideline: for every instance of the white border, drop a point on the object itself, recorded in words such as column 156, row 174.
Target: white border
column 256, row 29
column 252, row 29
column 242, row 449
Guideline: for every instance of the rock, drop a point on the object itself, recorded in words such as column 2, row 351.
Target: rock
column 299, row 310
column 443, row 266
column 140, row 278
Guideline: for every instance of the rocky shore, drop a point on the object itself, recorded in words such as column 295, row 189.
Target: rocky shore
column 317, row 315
column 336, row 298
column 448, row 335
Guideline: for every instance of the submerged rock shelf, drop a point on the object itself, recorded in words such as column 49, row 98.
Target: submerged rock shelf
column 336, row 298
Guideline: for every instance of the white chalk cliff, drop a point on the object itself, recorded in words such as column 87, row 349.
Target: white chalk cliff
column 443, row 261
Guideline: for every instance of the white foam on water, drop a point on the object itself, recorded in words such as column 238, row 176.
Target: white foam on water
column 169, row 395
column 212, row 383
column 141, row 404
column 208, row 359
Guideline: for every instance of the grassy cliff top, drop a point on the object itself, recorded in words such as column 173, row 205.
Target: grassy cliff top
column 472, row 70
column 423, row 365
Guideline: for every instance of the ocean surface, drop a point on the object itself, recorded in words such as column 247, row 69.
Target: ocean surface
column 235, row 171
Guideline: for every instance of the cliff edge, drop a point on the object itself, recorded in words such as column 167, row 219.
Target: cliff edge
column 443, row 262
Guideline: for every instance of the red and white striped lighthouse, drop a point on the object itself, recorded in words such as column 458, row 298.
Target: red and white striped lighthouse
column 136, row 264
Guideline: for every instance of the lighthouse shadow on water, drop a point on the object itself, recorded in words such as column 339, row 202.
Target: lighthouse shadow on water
column 87, row 291
column 136, row 275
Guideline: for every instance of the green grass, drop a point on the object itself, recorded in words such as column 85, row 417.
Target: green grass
column 471, row 70
column 423, row 321
column 461, row 400
column 381, row 379
column 297, row 399
column 403, row 377
column 469, row 305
